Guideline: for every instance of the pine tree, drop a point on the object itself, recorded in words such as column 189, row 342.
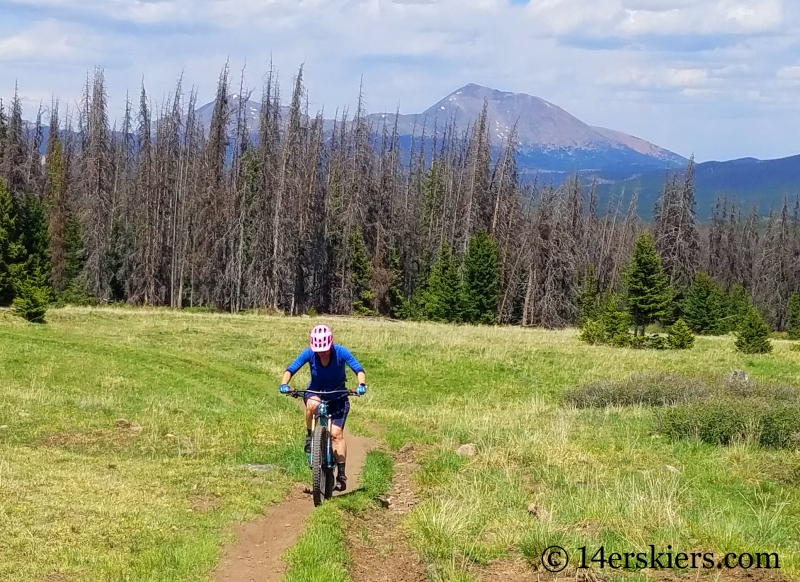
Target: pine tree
column 753, row 334
column 793, row 324
column 397, row 298
column 481, row 280
column 589, row 306
column 648, row 295
column 12, row 252
column 704, row 308
column 361, row 273
column 441, row 300
column 616, row 323
column 31, row 300
column 679, row 336
column 35, row 239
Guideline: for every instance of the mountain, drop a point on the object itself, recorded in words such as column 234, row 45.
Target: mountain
column 549, row 138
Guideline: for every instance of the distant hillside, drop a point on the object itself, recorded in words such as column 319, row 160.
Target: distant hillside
column 749, row 181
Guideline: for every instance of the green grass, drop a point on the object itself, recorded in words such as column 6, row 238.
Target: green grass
column 79, row 495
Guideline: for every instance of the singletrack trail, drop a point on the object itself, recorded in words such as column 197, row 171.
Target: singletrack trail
column 256, row 554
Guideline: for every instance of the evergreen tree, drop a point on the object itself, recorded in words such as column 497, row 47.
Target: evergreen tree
column 679, row 336
column 12, row 252
column 589, row 306
column 616, row 323
column 35, row 239
column 753, row 334
column 441, row 300
column 704, row 308
column 397, row 299
column 648, row 294
column 361, row 273
column 481, row 279
column 793, row 324
column 31, row 300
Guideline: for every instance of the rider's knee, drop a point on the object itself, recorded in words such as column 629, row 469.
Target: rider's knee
column 337, row 436
column 312, row 404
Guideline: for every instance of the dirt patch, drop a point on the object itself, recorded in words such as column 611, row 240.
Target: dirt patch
column 379, row 551
column 376, row 540
column 90, row 439
column 205, row 503
column 259, row 547
column 508, row 571
column 59, row 577
column 719, row 575
column 402, row 497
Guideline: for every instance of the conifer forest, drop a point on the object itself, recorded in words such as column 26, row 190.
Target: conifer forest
column 158, row 210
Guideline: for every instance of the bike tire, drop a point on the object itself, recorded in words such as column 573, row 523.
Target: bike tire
column 319, row 471
column 329, row 465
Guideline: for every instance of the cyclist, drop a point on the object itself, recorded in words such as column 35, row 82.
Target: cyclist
column 328, row 375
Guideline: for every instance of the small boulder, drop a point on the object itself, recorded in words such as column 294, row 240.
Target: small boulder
column 468, row 450
column 122, row 423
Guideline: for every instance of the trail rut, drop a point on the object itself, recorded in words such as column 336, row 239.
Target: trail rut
column 256, row 554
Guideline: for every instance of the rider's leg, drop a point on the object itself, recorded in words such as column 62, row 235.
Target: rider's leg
column 312, row 403
column 339, row 444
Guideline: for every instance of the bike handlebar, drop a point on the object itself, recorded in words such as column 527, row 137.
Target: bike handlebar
column 347, row 392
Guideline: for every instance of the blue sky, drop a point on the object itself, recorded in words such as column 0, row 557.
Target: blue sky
column 718, row 78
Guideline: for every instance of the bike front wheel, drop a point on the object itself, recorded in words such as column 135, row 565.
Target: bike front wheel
column 321, row 473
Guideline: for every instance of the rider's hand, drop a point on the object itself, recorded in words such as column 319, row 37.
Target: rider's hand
column 361, row 389
column 285, row 389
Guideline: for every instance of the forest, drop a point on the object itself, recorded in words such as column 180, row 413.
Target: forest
column 157, row 210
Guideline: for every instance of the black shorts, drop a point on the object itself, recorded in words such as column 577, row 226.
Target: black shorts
column 337, row 409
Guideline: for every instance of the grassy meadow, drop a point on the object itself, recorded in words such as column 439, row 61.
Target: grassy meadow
column 123, row 433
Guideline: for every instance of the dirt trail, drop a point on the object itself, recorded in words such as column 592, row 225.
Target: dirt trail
column 255, row 556
column 377, row 543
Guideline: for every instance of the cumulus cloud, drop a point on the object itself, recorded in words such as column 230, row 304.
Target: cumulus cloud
column 627, row 64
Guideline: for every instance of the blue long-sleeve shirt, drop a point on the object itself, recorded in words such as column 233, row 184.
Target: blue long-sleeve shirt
column 327, row 378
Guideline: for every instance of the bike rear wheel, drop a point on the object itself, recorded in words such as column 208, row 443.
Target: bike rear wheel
column 321, row 474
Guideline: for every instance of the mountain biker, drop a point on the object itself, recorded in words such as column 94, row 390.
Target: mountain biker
column 328, row 375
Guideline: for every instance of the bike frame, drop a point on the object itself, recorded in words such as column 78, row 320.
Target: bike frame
column 322, row 418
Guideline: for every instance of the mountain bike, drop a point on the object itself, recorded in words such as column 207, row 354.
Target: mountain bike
column 321, row 459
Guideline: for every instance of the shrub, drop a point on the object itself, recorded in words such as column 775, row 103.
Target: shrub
column 720, row 422
column 616, row 323
column 760, row 391
column 649, row 342
column 680, row 337
column 646, row 389
column 753, row 334
column 31, row 301
column 593, row 332
column 716, row 423
column 75, row 295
